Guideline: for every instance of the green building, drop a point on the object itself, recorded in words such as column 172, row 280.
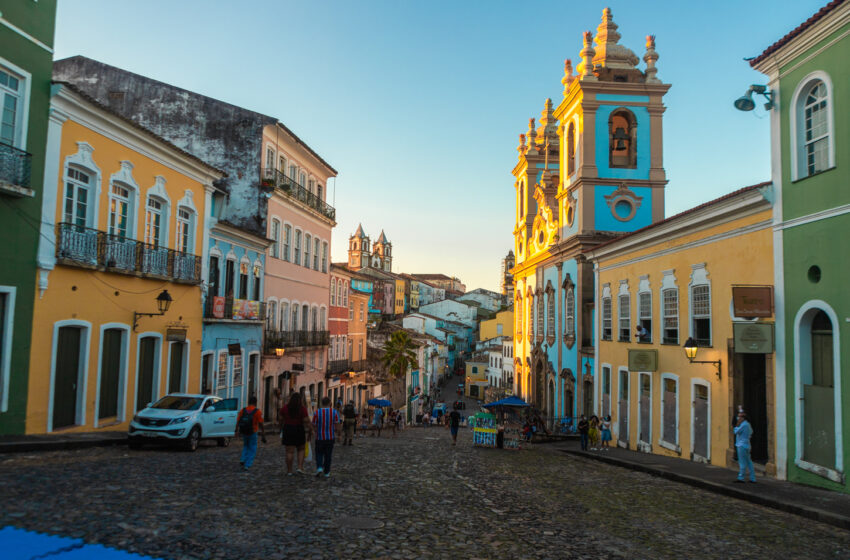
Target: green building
column 809, row 78
column 26, row 60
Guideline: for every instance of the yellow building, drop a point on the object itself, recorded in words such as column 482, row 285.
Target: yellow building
column 500, row 325
column 399, row 296
column 476, row 376
column 700, row 279
column 122, row 229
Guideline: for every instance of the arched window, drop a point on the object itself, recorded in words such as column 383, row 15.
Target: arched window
column 345, row 294
column 275, row 248
column 622, row 137
column 322, row 319
column 571, row 149
column 305, row 317
column 271, row 315
column 307, row 243
column 813, row 120
column 333, row 291
column 539, row 316
column 284, row 316
column 550, row 313
column 530, row 310
column 314, row 318
column 570, row 315
column 294, row 325
column 518, row 309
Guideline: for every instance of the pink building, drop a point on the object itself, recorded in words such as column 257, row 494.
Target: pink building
column 297, row 274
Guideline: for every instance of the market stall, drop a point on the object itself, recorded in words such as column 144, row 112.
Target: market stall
column 484, row 429
column 509, row 421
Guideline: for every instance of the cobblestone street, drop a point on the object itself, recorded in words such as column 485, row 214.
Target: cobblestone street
column 410, row 497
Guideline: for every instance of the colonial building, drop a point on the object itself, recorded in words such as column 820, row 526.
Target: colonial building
column 590, row 171
column 506, row 278
column 700, row 279
column 26, row 58
column 120, row 269
column 807, row 77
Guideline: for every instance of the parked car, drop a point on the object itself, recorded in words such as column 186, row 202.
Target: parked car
column 185, row 419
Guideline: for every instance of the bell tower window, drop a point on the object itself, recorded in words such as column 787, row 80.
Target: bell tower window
column 622, row 134
column 571, row 149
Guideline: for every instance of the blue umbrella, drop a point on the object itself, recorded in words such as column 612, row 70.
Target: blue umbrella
column 379, row 402
column 510, row 401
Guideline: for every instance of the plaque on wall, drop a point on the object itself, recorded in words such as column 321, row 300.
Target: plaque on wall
column 752, row 301
column 643, row 360
column 753, row 338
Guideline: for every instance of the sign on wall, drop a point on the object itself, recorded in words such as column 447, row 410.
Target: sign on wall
column 753, row 338
column 752, row 301
column 643, row 360
column 218, row 307
column 246, row 309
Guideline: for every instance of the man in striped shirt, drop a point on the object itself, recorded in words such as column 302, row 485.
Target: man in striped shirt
column 324, row 422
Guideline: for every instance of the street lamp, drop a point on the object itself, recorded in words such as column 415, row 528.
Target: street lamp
column 691, row 353
column 163, row 302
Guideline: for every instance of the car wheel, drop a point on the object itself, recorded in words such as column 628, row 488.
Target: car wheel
column 134, row 443
column 223, row 441
column 193, row 439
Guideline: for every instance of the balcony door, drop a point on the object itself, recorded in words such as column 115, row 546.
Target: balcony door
column 147, row 367
column 110, row 372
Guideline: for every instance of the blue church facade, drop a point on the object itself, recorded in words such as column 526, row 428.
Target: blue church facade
column 590, row 171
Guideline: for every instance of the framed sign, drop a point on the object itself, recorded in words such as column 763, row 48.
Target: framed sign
column 753, row 338
column 752, row 301
column 175, row 335
column 643, row 360
column 218, row 307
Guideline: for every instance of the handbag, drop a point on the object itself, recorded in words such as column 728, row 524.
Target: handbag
column 308, row 452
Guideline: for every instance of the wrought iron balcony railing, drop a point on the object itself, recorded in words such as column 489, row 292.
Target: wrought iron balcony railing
column 15, row 166
column 82, row 246
column 338, row 366
column 234, row 309
column 294, row 339
column 273, row 178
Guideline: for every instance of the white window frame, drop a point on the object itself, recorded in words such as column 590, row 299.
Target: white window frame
column 644, row 445
column 296, row 246
column 117, row 199
column 213, row 372
column 615, row 426
column 22, row 116
column 624, row 292
column 6, row 345
column 671, row 445
column 317, row 245
column 158, row 192
column 271, row 314
column 275, row 235
column 284, row 318
column 122, row 376
column 82, row 375
column 308, row 242
column 644, row 290
column 668, row 282
column 702, row 382
column 186, row 223
column 287, row 242
column 796, row 120
column 324, row 256
column 333, row 292
column 699, row 277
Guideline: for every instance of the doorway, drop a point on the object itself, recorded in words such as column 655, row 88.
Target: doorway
column 645, row 409
column 175, row 367
column 147, row 363
column 755, row 403
column 550, row 408
column 110, row 372
column 587, row 395
column 623, row 410
column 700, row 421
column 206, row 374
column 253, row 372
column 67, row 376
column 606, row 391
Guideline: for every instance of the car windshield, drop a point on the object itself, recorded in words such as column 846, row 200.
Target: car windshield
column 178, row 403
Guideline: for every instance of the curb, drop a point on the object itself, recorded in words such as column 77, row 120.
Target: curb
column 59, row 445
column 836, row 520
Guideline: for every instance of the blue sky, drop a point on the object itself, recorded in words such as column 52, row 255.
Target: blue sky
column 419, row 104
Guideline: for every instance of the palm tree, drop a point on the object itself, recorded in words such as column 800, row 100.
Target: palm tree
column 399, row 354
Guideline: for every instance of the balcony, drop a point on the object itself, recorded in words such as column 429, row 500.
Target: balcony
column 91, row 248
column 273, row 178
column 219, row 308
column 15, row 169
column 336, row 367
column 295, row 339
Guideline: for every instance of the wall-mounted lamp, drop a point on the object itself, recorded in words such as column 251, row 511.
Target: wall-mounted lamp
column 746, row 103
column 691, row 353
column 279, row 351
column 163, row 302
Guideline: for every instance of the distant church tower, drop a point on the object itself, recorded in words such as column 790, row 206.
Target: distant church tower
column 383, row 249
column 358, row 250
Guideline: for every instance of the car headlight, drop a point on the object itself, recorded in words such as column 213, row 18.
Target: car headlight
column 180, row 420
column 136, row 418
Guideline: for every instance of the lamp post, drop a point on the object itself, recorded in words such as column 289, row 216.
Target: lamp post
column 691, row 353
column 163, row 302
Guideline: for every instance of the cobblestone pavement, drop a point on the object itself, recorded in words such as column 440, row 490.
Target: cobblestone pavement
column 421, row 497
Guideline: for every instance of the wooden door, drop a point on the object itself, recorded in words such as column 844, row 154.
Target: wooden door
column 206, row 374
column 147, row 358
column 252, row 375
column 645, row 407
column 700, row 421
column 110, row 372
column 175, row 369
column 623, row 411
column 67, row 377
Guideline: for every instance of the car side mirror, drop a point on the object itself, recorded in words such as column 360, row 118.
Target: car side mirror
column 148, row 405
column 209, row 409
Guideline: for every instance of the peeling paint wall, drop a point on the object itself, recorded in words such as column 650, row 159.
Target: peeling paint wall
column 223, row 135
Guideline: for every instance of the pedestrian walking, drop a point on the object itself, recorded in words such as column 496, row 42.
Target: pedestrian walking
column 454, row 424
column 378, row 421
column 583, row 428
column 296, row 425
column 324, row 421
column 364, row 424
column 249, row 420
column 606, row 432
column 349, row 423
column 743, row 433
column 593, row 432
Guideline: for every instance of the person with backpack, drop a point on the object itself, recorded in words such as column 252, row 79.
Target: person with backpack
column 349, row 422
column 250, row 419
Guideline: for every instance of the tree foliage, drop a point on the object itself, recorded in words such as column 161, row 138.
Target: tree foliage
column 399, row 354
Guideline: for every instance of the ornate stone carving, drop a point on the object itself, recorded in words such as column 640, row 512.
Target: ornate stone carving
column 619, row 198
column 608, row 53
column 585, row 67
column 568, row 76
column 650, row 57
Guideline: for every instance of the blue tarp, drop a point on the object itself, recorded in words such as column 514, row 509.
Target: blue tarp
column 509, row 401
column 379, row 402
column 25, row 545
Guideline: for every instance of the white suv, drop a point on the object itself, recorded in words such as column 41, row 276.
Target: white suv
column 185, row 418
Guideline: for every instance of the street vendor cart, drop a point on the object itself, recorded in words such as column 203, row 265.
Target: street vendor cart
column 484, row 430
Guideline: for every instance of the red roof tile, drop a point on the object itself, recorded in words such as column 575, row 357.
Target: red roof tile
column 820, row 14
